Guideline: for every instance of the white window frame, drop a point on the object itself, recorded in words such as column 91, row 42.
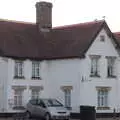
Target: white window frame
column 18, row 97
column 67, row 93
column 103, row 97
column 102, row 38
column 111, row 66
column 94, row 65
column 19, row 65
column 36, row 69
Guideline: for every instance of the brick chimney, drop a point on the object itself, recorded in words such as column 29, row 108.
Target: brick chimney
column 44, row 16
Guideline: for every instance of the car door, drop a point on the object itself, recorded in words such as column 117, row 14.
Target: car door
column 32, row 107
column 41, row 109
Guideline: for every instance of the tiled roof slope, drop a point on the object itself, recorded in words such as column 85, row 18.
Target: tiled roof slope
column 117, row 36
column 23, row 40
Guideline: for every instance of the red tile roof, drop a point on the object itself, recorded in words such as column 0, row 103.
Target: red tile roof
column 117, row 36
column 23, row 40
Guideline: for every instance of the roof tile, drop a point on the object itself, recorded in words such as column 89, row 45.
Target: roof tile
column 23, row 40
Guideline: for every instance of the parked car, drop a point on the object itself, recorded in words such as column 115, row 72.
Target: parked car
column 47, row 109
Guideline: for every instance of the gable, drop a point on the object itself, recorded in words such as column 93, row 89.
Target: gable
column 103, row 48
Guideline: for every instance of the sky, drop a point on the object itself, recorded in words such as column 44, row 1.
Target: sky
column 65, row 12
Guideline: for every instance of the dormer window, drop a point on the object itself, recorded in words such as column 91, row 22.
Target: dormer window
column 102, row 38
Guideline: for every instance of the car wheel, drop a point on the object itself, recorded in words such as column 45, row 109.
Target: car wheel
column 28, row 114
column 47, row 116
column 67, row 119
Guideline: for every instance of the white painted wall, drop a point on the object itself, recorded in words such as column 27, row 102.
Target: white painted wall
column 88, row 88
column 54, row 74
column 3, row 82
column 65, row 73
column 27, row 82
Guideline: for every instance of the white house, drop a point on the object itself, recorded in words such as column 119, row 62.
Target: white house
column 76, row 64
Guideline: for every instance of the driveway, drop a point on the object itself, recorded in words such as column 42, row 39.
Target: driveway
column 9, row 118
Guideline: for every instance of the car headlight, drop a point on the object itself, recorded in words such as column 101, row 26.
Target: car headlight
column 53, row 113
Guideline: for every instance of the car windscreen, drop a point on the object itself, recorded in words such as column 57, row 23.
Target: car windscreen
column 52, row 102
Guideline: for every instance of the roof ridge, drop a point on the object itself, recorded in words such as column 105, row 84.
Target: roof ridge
column 75, row 25
column 15, row 21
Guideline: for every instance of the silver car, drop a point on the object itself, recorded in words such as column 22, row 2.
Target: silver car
column 47, row 109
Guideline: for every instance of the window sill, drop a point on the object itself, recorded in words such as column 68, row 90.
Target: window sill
column 19, row 77
column 36, row 78
column 95, row 76
column 103, row 108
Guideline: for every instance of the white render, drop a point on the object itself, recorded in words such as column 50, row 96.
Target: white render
column 65, row 72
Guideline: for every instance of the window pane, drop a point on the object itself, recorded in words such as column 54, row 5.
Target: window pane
column 102, row 98
column 67, row 98
column 111, row 62
column 94, row 66
column 18, row 97
column 35, row 69
column 102, row 38
column 19, row 68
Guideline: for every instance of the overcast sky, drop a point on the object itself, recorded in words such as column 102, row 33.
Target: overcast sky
column 65, row 11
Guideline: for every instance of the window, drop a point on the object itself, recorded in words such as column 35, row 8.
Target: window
column 102, row 98
column 67, row 98
column 52, row 102
column 111, row 66
column 18, row 69
column 33, row 102
column 35, row 94
column 102, row 38
column 18, row 98
column 36, row 70
column 94, row 66
column 35, row 91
